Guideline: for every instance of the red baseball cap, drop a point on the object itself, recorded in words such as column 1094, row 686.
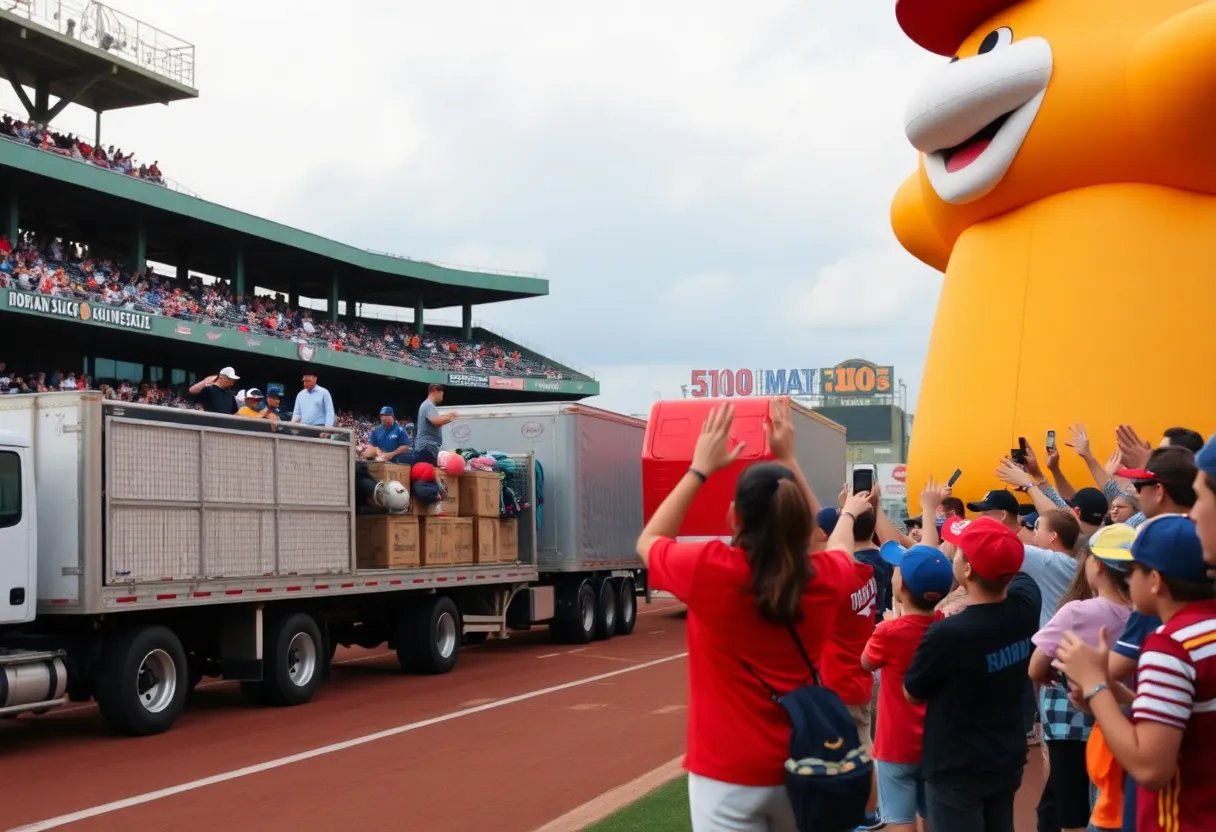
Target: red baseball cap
column 993, row 550
column 941, row 26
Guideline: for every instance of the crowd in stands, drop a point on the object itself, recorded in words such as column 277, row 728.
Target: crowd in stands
column 74, row 147
column 54, row 267
column 1089, row 611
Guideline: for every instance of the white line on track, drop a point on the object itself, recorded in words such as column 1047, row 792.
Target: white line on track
column 236, row 774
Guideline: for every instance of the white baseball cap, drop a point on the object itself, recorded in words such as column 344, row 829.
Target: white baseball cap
column 228, row 372
column 240, row 397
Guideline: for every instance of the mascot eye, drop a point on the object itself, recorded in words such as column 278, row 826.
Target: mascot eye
column 995, row 39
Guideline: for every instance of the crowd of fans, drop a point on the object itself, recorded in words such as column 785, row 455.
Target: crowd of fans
column 74, row 147
column 1080, row 620
column 63, row 269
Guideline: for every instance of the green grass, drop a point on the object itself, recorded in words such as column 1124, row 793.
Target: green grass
column 663, row 810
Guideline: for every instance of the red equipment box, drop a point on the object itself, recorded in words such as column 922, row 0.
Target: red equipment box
column 671, row 435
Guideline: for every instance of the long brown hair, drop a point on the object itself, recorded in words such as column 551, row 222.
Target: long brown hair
column 775, row 526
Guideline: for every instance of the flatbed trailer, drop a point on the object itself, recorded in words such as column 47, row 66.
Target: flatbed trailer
column 146, row 548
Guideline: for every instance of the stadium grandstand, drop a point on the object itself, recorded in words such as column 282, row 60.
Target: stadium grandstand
column 114, row 279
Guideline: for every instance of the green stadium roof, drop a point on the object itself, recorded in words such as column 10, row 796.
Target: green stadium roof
column 57, row 193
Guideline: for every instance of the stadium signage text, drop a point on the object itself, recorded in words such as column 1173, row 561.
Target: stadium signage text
column 854, row 378
column 543, row 384
column 465, row 380
column 78, row 310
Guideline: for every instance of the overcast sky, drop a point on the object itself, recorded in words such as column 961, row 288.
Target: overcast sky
column 705, row 184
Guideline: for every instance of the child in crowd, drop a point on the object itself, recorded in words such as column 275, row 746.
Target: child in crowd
column 1104, row 571
column 969, row 669
column 927, row 576
column 1169, row 744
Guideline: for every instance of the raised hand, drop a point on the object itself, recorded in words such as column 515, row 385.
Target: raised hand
column 713, row 451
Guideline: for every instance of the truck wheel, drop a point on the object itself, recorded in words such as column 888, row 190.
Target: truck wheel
column 143, row 680
column 626, row 607
column 428, row 636
column 291, row 666
column 605, row 610
column 574, row 622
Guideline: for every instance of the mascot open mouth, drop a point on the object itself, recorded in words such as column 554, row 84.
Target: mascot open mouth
column 961, row 155
column 973, row 117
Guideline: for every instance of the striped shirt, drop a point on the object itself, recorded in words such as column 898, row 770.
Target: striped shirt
column 1176, row 686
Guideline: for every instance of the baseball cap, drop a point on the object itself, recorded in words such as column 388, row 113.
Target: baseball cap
column 274, row 390
column 941, row 26
column 1091, row 505
column 1171, row 465
column 926, row 571
column 386, row 411
column 994, row 551
column 1030, row 520
column 228, row 372
column 1169, row 543
column 918, row 522
column 1206, row 458
column 826, row 519
column 1113, row 545
column 253, row 393
column 1001, row 500
column 240, row 397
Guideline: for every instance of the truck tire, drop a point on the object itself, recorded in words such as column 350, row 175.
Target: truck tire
column 142, row 681
column 428, row 636
column 626, row 607
column 291, row 664
column 574, row 621
column 605, row 609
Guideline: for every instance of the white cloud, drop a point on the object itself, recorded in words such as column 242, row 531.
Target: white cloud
column 704, row 182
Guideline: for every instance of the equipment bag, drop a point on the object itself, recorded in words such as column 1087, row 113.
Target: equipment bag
column 828, row 774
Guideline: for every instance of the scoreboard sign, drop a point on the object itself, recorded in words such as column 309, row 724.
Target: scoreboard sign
column 713, row 384
column 853, row 379
column 857, row 378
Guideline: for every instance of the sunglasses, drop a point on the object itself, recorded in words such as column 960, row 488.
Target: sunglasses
column 1142, row 484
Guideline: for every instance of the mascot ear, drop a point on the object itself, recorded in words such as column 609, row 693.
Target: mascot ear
column 912, row 226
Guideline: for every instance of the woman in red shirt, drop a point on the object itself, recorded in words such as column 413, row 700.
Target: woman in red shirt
column 741, row 596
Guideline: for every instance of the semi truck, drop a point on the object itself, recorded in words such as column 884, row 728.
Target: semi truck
column 144, row 548
column 590, row 505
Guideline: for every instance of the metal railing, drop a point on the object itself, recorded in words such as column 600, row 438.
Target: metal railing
column 113, row 32
column 456, row 266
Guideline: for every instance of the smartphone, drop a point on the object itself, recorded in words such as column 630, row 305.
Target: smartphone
column 958, row 472
column 1051, row 440
column 863, row 480
column 1018, row 455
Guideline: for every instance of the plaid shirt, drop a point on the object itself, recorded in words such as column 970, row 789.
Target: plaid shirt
column 1061, row 721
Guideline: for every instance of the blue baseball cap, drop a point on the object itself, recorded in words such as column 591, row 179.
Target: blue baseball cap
column 386, row 411
column 826, row 519
column 1169, row 543
column 1030, row 520
column 1205, row 460
column 926, row 571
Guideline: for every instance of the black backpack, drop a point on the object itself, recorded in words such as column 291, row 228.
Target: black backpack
column 828, row 775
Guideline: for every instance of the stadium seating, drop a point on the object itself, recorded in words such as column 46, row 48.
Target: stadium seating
column 73, row 147
column 58, row 269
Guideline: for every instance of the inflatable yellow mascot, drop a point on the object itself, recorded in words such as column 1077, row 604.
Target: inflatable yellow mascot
column 1066, row 188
